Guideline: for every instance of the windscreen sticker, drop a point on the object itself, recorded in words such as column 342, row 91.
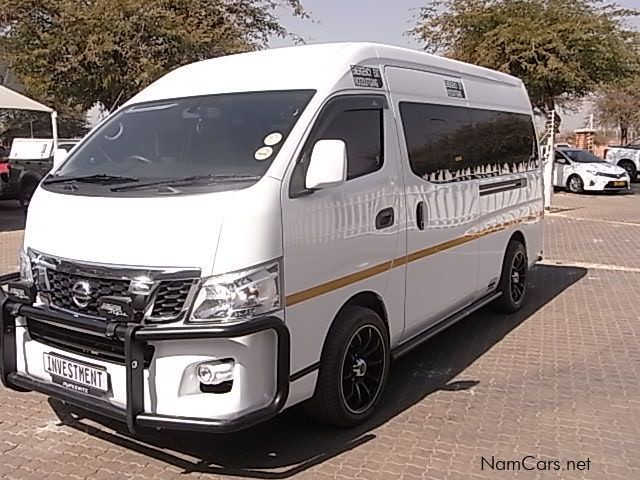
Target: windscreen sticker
column 273, row 139
column 454, row 88
column 368, row 77
column 263, row 153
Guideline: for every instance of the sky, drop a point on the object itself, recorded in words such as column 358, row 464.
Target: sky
column 383, row 21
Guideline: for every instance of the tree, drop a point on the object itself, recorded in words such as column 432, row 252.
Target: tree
column 77, row 54
column 618, row 106
column 561, row 49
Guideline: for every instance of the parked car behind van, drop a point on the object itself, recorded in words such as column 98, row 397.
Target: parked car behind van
column 625, row 156
column 230, row 243
column 30, row 160
column 579, row 170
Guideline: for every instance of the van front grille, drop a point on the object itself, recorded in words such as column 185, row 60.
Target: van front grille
column 160, row 294
column 61, row 285
column 171, row 298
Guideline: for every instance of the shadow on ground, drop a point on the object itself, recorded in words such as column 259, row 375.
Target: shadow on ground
column 11, row 216
column 292, row 443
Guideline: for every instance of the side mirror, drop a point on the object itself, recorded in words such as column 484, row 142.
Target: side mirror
column 328, row 165
column 59, row 156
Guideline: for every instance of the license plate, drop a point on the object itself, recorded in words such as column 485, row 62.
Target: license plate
column 78, row 376
column 619, row 184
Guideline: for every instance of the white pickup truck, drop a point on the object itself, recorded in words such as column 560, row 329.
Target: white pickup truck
column 627, row 157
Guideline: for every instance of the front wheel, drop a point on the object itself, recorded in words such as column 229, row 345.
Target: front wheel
column 575, row 184
column 513, row 279
column 353, row 368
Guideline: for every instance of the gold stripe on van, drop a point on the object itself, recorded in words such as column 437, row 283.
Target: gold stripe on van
column 352, row 278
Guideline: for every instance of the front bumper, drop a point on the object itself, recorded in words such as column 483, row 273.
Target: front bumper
column 136, row 337
column 600, row 183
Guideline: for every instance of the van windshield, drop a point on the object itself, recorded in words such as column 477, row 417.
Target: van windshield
column 191, row 141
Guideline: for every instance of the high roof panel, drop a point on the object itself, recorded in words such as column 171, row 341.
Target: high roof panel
column 303, row 67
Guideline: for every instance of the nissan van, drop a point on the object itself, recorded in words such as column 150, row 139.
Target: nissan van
column 270, row 228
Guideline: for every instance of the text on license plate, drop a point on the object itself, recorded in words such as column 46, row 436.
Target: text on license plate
column 76, row 375
column 619, row 184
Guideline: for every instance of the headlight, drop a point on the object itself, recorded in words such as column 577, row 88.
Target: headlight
column 25, row 267
column 238, row 296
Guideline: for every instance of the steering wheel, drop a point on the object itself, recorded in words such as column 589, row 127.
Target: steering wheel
column 140, row 158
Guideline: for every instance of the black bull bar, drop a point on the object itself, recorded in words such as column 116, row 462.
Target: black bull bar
column 135, row 337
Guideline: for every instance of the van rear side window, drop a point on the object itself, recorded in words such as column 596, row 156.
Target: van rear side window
column 447, row 143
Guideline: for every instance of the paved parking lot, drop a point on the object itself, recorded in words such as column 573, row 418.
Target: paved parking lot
column 558, row 383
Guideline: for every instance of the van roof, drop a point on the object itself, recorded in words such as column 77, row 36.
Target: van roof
column 316, row 67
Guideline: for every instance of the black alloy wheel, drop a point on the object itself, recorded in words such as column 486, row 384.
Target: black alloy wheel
column 363, row 369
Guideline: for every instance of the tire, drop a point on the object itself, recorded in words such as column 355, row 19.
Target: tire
column 575, row 184
column 353, row 369
column 513, row 279
column 631, row 169
column 26, row 192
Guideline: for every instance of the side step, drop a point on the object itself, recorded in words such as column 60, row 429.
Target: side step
column 422, row 337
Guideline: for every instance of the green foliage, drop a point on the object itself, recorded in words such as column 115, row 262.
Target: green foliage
column 561, row 49
column 618, row 106
column 77, row 53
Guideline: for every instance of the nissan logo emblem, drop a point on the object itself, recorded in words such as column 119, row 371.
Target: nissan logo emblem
column 81, row 293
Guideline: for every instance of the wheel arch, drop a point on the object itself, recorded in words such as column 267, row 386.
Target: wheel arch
column 517, row 235
column 367, row 299
column 566, row 185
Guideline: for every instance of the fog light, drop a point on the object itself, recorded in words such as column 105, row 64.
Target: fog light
column 216, row 372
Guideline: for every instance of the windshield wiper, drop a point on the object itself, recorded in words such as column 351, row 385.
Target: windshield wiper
column 102, row 178
column 176, row 182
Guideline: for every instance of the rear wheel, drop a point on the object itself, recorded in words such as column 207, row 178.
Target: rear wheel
column 575, row 184
column 630, row 168
column 513, row 279
column 27, row 190
column 353, row 368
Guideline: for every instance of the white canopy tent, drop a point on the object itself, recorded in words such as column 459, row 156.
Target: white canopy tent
column 11, row 100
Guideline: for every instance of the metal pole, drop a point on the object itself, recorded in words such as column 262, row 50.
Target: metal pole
column 54, row 129
column 548, row 161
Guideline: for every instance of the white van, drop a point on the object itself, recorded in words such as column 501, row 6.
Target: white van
column 259, row 230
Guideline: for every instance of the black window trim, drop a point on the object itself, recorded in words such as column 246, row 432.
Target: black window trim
column 334, row 106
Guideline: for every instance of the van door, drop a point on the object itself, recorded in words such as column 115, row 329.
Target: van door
column 442, row 256
column 442, row 202
column 343, row 240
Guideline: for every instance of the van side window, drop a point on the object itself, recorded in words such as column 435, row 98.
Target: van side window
column 508, row 137
column 358, row 121
column 361, row 130
column 447, row 143
column 436, row 137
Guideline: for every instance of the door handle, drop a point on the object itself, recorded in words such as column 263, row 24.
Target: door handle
column 420, row 215
column 385, row 218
